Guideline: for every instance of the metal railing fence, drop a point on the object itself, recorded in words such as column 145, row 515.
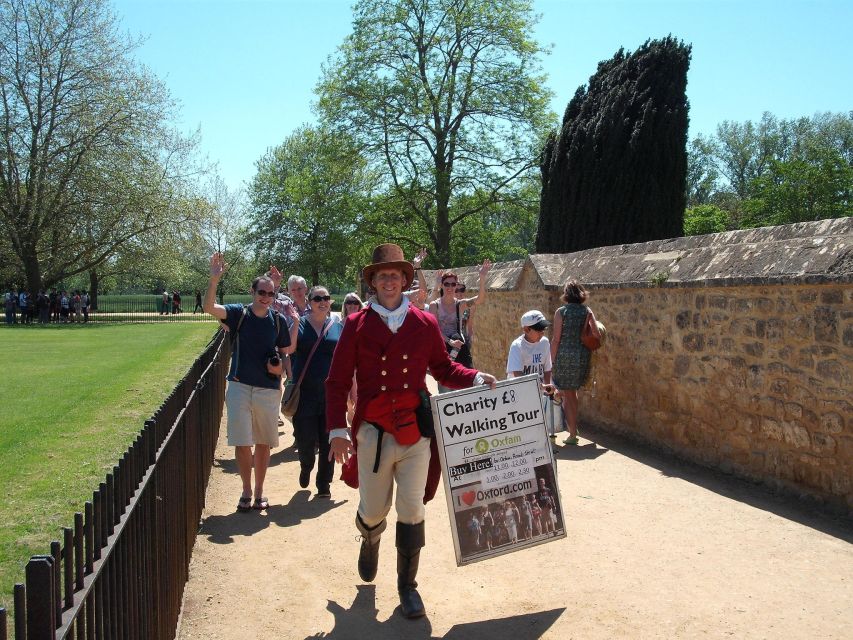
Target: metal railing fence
column 133, row 308
column 120, row 571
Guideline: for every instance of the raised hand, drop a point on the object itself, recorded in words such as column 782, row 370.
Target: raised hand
column 292, row 312
column 217, row 265
column 419, row 258
column 275, row 276
column 485, row 267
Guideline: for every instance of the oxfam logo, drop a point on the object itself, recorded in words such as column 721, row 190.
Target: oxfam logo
column 481, row 445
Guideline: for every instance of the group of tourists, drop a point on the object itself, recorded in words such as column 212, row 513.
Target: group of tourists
column 507, row 522
column 58, row 307
column 171, row 302
column 356, row 390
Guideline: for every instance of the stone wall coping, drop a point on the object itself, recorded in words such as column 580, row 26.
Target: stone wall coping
column 819, row 252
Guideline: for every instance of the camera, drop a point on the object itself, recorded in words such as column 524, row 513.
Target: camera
column 273, row 360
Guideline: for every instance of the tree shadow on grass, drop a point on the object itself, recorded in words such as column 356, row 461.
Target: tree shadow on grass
column 360, row 621
column 222, row 529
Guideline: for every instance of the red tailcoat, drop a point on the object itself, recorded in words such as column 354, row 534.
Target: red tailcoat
column 390, row 363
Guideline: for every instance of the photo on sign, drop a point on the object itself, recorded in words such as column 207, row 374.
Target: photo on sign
column 527, row 513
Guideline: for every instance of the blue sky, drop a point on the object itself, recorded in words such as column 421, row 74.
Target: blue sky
column 244, row 70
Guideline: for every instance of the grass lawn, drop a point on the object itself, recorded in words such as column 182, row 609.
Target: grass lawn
column 72, row 399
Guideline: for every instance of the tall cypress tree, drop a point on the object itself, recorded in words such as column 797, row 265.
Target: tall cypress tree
column 616, row 171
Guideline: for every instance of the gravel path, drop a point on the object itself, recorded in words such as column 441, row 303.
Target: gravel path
column 656, row 549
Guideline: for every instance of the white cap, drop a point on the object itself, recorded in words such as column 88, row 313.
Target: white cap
column 534, row 318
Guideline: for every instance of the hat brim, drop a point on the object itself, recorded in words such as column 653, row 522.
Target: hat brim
column 539, row 326
column 406, row 267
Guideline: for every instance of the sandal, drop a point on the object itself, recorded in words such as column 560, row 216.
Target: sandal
column 571, row 441
column 244, row 504
column 261, row 504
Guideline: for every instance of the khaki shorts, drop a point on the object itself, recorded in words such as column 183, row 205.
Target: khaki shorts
column 252, row 415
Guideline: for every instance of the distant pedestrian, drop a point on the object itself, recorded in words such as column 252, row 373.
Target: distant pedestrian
column 85, row 303
column 176, row 302
column 24, row 306
column 64, row 307
column 54, row 306
column 10, row 303
column 43, row 305
column 198, row 306
column 78, row 307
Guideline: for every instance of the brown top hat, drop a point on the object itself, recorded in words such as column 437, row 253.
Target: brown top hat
column 388, row 256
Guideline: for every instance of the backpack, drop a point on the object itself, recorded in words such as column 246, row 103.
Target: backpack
column 236, row 333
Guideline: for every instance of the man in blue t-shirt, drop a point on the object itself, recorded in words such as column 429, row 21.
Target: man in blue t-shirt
column 253, row 396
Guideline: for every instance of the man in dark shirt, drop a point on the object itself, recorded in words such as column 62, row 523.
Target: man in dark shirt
column 253, row 395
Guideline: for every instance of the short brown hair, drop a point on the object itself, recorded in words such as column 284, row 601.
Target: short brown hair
column 574, row 292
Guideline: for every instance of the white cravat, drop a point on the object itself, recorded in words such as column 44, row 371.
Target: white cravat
column 394, row 319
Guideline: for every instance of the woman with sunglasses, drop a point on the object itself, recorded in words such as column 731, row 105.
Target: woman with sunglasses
column 352, row 304
column 309, row 422
column 449, row 310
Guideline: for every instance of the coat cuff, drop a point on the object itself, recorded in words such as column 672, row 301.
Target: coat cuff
column 339, row 433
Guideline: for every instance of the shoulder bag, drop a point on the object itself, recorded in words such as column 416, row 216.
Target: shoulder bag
column 590, row 335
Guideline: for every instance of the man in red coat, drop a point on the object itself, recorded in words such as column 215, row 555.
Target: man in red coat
column 389, row 346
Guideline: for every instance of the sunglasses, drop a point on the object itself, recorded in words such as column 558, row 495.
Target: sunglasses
column 448, row 284
column 265, row 294
column 321, row 298
column 352, row 302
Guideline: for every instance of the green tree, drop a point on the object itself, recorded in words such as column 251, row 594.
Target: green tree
column 705, row 218
column 306, row 204
column 817, row 186
column 703, row 177
column 87, row 161
column 448, row 97
column 616, row 171
column 775, row 171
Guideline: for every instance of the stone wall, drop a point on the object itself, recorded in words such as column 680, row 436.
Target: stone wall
column 739, row 356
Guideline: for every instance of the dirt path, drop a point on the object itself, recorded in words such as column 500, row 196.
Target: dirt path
column 656, row 549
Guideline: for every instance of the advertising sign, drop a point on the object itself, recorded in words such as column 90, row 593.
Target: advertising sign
column 498, row 469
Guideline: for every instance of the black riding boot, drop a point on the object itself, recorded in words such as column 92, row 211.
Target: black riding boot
column 410, row 539
column 368, row 556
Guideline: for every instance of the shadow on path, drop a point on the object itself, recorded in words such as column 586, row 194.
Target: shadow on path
column 280, row 456
column 360, row 621
column 222, row 529
column 589, row 451
column 759, row 496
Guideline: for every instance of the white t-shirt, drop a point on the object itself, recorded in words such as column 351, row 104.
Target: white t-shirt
column 529, row 357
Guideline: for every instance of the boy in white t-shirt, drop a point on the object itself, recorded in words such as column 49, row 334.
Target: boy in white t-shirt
column 531, row 352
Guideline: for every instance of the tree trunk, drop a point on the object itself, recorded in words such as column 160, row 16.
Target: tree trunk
column 93, row 289
column 442, row 209
column 32, row 269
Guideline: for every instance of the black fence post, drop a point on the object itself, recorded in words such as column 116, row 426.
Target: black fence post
column 20, row 596
column 41, row 610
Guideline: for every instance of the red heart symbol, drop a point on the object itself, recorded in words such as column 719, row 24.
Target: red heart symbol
column 468, row 497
